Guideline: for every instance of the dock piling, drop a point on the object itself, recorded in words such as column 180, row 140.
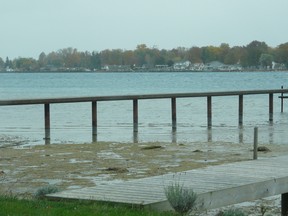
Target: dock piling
column 47, row 123
column 94, row 121
column 94, row 100
column 240, row 110
column 255, row 149
column 174, row 114
column 282, row 107
column 135, row 115
column 270, row 107
column 209, row 111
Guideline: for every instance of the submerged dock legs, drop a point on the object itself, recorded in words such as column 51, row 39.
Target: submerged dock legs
column 135, row 115
column 94, row 121
column 270, row 108
column 240, row 110
column 47, row 123
column 174, row 114
column 173, row 99
column 209, row 111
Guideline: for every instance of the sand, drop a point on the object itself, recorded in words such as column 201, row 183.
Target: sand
column 23, row 170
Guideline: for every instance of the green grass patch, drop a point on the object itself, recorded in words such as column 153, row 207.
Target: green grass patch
column 15, row 207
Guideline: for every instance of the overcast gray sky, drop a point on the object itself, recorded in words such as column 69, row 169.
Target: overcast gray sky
column 32, row 26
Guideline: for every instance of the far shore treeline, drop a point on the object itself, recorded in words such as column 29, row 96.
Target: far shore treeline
column 254, row 56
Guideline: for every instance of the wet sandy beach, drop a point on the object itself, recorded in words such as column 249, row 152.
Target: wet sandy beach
column 25, row 169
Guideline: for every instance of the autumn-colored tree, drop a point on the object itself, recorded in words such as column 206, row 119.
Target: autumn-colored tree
column 194, row 55
column 234, row 55
column 42, row 60
column 254, row 51
column 223, row 52
column 254, row 54
column 281, row 54
column 54, row 60
column 210, row 53
column 26, row 64
column 140, row 54
column 128, row 58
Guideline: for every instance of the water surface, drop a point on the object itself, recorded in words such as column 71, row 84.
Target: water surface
column 71, row 123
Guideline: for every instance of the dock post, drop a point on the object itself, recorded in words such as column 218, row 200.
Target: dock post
column 284, row 204
column 282, row 100
column 209, row 111
column 135, row 115
column 135, row 137
column 270, row 107
column 240, row 110
column 255, row 149
column 94, row 121
column 174, row 114
column 47, row 123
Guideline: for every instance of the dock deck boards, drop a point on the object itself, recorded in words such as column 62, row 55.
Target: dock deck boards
column 216, row 186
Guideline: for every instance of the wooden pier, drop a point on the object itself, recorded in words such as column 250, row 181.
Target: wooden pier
column 216, row 186
column 135, row 98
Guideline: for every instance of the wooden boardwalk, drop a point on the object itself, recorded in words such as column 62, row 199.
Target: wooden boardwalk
column 216, row 186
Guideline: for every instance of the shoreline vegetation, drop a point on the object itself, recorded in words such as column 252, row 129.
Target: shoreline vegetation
column 255, row 56
column 81, row 70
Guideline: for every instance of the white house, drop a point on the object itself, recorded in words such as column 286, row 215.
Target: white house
column 182, row 65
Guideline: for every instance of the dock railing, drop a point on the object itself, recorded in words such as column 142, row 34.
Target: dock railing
column 134, row 98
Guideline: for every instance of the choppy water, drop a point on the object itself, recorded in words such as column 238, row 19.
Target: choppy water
column 72, row 122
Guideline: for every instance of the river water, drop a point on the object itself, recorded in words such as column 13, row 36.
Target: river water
column 71, row 123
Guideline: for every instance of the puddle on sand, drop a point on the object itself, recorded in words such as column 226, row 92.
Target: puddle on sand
column 109, row 155
column 73, row 160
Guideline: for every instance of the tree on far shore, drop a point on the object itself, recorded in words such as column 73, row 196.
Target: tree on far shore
column 254, row 55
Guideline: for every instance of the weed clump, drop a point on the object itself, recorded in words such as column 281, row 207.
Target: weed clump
column 180, row 198
column 41, row 192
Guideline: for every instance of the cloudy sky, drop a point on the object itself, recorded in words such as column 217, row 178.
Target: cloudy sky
column 32, row 26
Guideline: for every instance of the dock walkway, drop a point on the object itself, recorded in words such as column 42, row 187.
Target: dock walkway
column 216, row 186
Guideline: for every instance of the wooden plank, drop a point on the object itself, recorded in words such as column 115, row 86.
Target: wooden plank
column 137, row 97
column 216, row 186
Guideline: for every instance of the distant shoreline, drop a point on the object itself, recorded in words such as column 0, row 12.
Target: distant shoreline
column 148, row 71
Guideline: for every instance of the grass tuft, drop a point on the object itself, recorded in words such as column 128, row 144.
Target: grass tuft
column 180, row 198
column 41, row 192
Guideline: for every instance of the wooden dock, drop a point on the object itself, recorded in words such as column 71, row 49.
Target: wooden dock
column 135, row 98
column 216, row 186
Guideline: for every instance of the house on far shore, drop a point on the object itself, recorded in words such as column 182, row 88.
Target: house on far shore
column 278, row 66
column 219, row 66
column 215, row 66
column 117, row 68
column 197, row 67
column 182, row 65
column 8, row 69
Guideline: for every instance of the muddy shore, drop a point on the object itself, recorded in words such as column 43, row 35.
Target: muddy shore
column 68, row 166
